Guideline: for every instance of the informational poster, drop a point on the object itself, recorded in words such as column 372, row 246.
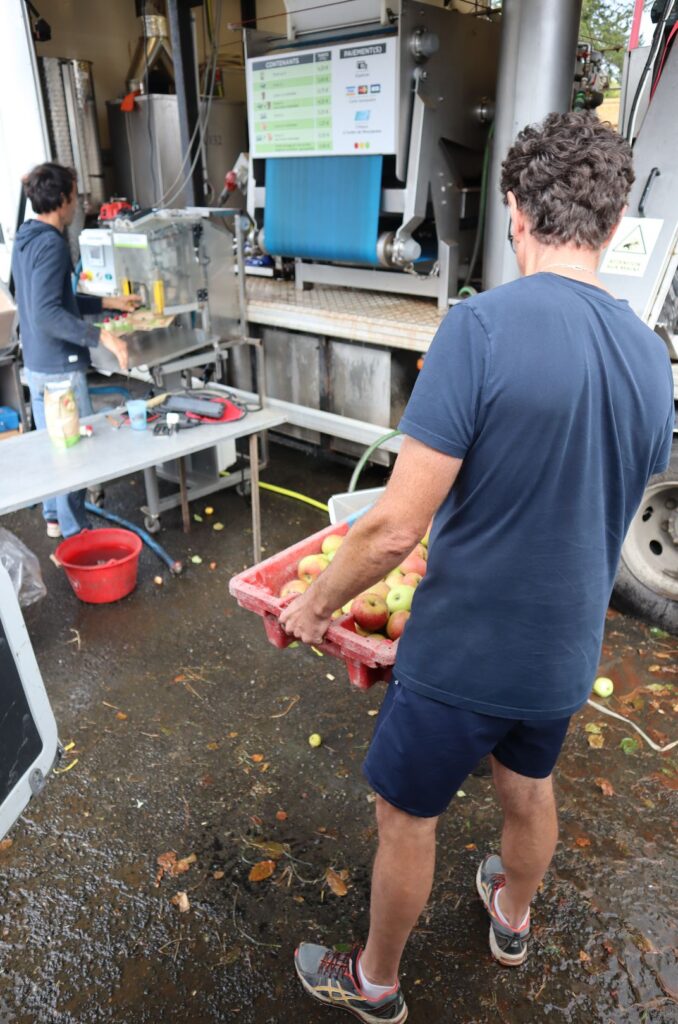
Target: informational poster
column 631, row 247
column 336, row 100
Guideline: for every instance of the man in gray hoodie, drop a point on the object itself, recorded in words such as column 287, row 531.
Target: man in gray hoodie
column 54, row 337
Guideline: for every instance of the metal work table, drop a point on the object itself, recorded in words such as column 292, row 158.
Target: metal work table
column 32, row 469
column 373, row 317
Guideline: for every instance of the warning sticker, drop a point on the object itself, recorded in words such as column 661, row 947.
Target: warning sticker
column 631, row 247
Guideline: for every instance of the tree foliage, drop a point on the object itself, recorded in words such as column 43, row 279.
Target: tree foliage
column 606, row 25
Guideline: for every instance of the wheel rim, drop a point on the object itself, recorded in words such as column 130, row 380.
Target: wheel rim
column 651, row 546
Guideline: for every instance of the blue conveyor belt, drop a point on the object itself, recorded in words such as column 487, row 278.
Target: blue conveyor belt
column 323, row 207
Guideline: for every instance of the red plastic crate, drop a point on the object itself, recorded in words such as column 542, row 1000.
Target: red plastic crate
column 257, row 590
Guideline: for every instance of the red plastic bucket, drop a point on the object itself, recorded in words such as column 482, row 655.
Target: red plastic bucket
column 101, row 565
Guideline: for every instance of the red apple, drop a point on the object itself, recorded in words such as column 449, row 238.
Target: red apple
column 396, row 624
column 359, row 630
column 413, row 563
column 412, row 579
column 394, row 579
column 311, row 566
column 294, row 587
column 370, row 612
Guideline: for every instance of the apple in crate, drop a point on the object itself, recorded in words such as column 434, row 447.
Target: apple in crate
column 412, row 579
column 396, row 624
column 311, row 566
column 400, row 598
column 381, row 589
column 370, row 612
column 294, row 587
column 332, row 543
column 394, row 579
column 413, row 563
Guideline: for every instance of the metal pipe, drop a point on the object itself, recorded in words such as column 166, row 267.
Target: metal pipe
column 181, row 36
column 536, row 70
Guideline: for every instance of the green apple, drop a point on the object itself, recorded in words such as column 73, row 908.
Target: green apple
column 400, row 598
column 332, row 543
column 603, row 686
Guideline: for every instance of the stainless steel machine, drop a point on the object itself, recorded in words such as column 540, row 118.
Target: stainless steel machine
column 187, row 267
column 368, row 125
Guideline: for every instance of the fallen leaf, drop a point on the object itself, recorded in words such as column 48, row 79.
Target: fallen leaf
column 629, row 745
column 213, row 566
column 184, row 864
column 232, row 735
column 196, row 559
column 336, row 882
column 264, row 767
column 257, row 758
column 181, row 902
column 207, row 780
column 605, row 786
column 281, row 815
column 256, row 820
column 593, row 728
column 654, row 668
column 121, row 715
column 218, row 527
column 274, row 850
column 657, row 632
column 583, row 957
column 582, row 841
column 596, row 741
column 218, row 874
column 213, row 745
column 197, row 518
column 470, row 846
column 372, row 712
column 169, row 864
column 460, row 792
column 669, row 780
column 264, row 869
column 5, row 844
column 181, row 678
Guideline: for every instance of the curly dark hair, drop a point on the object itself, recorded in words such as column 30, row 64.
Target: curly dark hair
column 571, row 176
column 49, row 186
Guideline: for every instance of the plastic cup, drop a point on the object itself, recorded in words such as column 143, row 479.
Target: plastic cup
column 136, row 409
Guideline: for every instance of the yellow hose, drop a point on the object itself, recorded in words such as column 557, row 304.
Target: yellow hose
column 295, row 495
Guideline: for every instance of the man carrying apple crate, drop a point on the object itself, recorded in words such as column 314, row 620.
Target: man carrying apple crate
column 542, row 410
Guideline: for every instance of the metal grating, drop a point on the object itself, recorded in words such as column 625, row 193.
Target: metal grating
column 372, row 317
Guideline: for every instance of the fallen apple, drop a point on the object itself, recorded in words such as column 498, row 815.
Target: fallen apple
column 315, row 739
column 396, row 624
column 400, row 598
column 311, row 566
column 370, row 612
column 294, row 587
column 412, row 579
column 603, row 687
column 331, row 543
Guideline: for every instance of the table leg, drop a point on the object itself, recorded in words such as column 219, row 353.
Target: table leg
column 183, row 495
column 256, row 509
column 152, row 492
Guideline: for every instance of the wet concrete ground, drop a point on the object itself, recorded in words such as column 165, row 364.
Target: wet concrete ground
column 191, row 736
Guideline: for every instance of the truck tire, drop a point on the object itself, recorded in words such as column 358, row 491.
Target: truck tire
column 647, row 581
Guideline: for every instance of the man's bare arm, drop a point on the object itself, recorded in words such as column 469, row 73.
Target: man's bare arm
column 380, row 540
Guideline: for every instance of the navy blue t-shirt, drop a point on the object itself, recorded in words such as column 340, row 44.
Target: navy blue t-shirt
column 560, row 402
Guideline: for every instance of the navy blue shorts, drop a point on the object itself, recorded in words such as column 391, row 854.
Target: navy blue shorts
column 423, row 749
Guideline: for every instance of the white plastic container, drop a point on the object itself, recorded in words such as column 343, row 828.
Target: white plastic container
column 343, row 505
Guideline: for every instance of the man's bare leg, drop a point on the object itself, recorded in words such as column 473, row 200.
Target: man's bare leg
column 528, row 839
column 401, row 884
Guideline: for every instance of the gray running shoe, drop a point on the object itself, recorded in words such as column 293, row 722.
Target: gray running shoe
column 508, row 947
column 332, row 978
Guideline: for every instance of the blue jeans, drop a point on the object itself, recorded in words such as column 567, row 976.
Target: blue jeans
column 68, row 510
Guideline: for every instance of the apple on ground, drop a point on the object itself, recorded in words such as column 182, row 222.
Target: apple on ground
column 370, row 612
column 413, row 563
column 400, row 598
column 396, row 624
column 412, row 579
column 294, row 587
column 331, row 543
column 394, row 579
column 311, row 566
